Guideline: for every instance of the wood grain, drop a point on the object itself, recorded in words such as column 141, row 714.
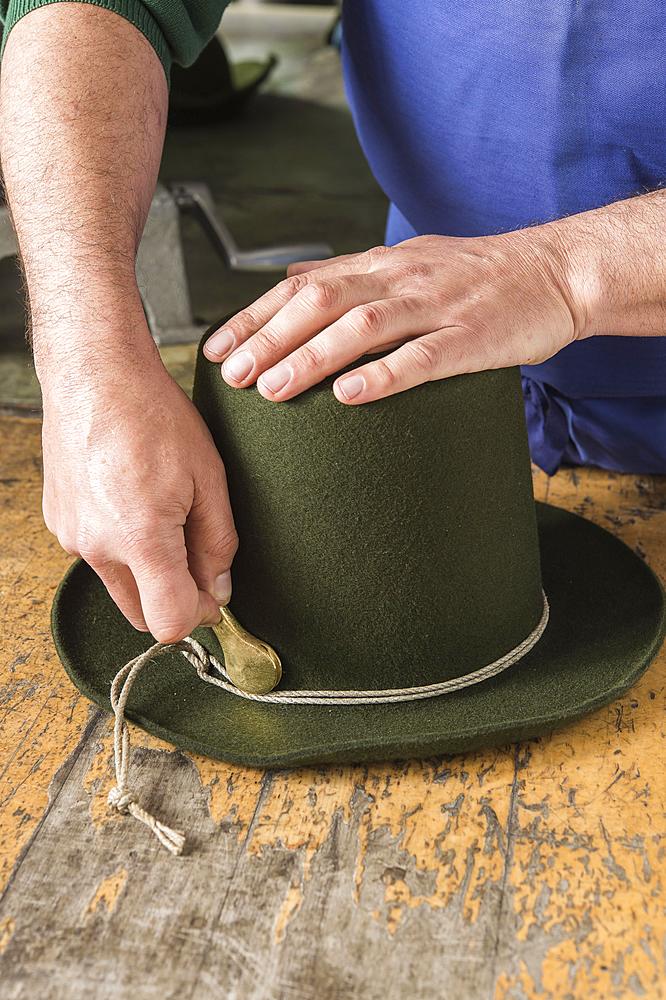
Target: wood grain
column 535, row 871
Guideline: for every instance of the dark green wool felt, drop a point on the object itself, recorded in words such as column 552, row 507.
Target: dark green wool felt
column 213, row 89
column 382, row 545
column 393, row 544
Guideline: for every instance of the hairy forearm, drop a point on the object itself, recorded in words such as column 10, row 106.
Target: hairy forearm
column 83, row 104
column 615, row 262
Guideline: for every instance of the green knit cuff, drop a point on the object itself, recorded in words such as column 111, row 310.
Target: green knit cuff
column 132, row 10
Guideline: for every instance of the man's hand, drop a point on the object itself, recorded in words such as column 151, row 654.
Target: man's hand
column 132, row 479
column 444, row 306
column 134, row 484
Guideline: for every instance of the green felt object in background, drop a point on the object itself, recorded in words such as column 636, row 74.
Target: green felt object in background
column 387, row 545
column 214, row 89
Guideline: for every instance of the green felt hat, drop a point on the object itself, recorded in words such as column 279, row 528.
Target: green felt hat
column 213, row 89
column 383, row 547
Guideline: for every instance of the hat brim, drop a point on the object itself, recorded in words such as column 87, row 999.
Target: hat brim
column 606, row 625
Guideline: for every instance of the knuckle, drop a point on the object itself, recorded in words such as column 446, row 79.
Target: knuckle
column 90, row 546
column 82, row 541
column 321, row 295
column 92, row 552
column 424, row 355
column 67, row 542
column 385, row 374
column 242, row 321
column 311, row 357
column 294, row 284
column 368, row 319
column 227, row 544
column 171, row 629
column 376, row 256
column 268, row 341
column 137, row 622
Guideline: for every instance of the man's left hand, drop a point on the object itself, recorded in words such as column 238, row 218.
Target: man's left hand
column 439, row 305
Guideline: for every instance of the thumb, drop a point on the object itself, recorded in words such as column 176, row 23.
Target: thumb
column 210, row 535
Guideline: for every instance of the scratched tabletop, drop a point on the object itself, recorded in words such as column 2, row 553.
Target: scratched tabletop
column 532, row 871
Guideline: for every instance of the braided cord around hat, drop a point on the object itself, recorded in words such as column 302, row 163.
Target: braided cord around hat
column 203, row 662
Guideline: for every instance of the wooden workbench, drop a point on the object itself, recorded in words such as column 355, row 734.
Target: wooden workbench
column 533, row 871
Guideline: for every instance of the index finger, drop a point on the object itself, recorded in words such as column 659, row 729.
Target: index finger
column 251, row 319
column 301, row 266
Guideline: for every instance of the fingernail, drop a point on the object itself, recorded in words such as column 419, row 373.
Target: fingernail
column 222, row 588
column 277, row 377
column 239, row 366
column 219, row 345
column 351, row 385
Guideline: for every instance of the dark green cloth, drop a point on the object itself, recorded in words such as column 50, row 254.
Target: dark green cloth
column 379, row 541
column 387, row 545
column 178, row 30
column 607, row 623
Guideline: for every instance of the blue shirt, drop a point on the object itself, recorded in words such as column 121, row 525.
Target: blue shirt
column 485, row 116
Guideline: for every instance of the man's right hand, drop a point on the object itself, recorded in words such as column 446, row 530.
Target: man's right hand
column 133, row 483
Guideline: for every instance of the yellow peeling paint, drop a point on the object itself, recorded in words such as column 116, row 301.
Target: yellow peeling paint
column 42, row 716
column 516, row 987
column 7, row 928
column 232, row 791
column 99, row 779
column 300, row 808
column 598, row 876
column 107, row 894
column 290, row 907
column 445, row 830
column 587, row 880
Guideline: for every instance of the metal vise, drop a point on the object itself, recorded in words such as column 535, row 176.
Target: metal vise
column 160, row 261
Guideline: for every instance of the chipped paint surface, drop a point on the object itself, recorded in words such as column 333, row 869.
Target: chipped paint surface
column 313, row 798
column 590, row 852
column 291, row 904
column 7, row 928
column 232, row 791
column 107, row 894
column 42, row 717
column 100, row 775
column 556, row 846
column 448, row 820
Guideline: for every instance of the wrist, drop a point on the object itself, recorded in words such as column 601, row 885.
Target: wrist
column 92, row 348
column 577, row 273
column 81, row 297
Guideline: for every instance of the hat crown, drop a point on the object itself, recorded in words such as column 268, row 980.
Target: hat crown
column 385, row 545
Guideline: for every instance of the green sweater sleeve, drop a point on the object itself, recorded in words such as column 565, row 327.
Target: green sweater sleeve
column 178, row 30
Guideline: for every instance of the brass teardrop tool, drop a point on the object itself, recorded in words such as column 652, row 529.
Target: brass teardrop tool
column 252, row 665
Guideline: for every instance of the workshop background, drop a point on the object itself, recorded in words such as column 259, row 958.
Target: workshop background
column 533, row 871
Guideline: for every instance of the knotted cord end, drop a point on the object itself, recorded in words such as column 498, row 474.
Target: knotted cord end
column 119, row 797
column 119, row 800
column 125, row 803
